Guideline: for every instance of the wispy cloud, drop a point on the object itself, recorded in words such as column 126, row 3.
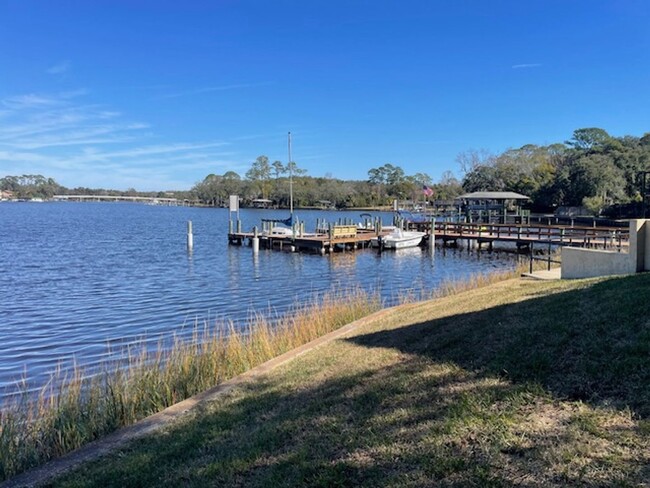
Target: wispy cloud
column 526, row 65
column 30, row 100
column 81, row 144
column 59, row 68
column 208, row 89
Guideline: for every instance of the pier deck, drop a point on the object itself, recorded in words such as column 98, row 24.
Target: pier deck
column 320, row 242
column 526, row 235
column 521, row 235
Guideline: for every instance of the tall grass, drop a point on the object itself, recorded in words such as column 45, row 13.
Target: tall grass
column 76, row 408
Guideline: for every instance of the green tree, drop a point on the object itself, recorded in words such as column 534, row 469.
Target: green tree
column 231, row 183
column 279, row 169
column 260, row 175
column 589, row 139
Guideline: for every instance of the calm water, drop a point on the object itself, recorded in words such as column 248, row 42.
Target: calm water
column 78, row 278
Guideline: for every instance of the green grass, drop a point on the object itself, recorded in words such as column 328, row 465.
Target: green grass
column 82, row 408
column 515, row 384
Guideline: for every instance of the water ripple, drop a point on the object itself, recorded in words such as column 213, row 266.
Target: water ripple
column 78, row 282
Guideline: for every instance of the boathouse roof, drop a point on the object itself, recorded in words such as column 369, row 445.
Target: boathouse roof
column 493, row 195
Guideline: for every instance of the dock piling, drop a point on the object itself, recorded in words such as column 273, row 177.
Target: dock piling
column 190, row 236
column 255, row 241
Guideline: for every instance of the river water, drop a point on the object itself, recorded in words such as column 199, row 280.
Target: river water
column 80, row 280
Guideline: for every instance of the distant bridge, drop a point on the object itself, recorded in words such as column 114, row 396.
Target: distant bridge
column 116, row 198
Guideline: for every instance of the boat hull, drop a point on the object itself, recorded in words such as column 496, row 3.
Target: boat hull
column 401, row 240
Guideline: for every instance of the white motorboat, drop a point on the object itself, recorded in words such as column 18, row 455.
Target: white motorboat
column 399, row 239
column 374, row 242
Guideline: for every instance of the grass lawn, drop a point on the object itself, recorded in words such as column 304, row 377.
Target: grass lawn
column 518, row 383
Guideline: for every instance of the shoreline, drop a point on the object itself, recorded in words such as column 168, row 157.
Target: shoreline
column 258, row 344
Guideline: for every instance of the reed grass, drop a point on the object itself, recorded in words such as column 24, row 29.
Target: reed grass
column 76, row 408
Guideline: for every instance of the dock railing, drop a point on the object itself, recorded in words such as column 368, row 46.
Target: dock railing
column 602, row 237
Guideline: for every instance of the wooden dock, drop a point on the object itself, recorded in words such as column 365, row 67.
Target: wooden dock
column 320, row 243
column 523, row 236
column 527, row 235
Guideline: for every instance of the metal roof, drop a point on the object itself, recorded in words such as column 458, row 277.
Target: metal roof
column 493, row 195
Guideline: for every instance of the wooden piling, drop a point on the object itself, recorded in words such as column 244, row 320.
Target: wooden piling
column 190, row 236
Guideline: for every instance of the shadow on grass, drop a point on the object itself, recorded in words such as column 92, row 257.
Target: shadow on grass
column 590, row 344
column 454, row 411
column 405, row 425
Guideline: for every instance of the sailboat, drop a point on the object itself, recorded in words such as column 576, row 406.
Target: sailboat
column 286, row 227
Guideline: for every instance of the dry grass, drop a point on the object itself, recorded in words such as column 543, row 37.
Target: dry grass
column 82, row 408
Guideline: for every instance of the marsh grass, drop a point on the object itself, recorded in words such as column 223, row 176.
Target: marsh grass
column 76, row 408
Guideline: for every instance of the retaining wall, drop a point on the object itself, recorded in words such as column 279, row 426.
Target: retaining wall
column 589, row 263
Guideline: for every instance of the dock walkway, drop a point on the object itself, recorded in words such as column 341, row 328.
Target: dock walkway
column 523, row 236
column 527, row 235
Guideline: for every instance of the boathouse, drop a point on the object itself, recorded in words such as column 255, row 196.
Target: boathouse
column 494, row 207
column 262, row 203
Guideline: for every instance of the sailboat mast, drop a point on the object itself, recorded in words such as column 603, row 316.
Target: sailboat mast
column 290, row 178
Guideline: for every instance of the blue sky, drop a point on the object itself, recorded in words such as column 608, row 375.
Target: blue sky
column 156, row 95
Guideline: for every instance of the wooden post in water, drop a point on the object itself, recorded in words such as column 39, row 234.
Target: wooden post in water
column 190, row 236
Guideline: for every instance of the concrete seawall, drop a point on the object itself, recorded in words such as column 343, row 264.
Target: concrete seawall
column 589, row 263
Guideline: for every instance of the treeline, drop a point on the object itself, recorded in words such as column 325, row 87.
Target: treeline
column 30, row 186
column 271, row 181
column 38, row 186
column 594, row 170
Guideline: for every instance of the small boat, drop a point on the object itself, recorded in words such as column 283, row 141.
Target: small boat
column 282, row 231
column 399, row 239
column 279, row 230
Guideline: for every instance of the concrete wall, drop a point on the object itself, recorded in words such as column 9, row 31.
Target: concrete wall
column 638, row 243
column 589, row 263
column 646, row 266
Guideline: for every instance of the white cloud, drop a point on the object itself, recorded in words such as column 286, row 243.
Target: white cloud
column 59, row 68
column 526, row 65
column 80, row 144
column 29, row 101
column 208, row 89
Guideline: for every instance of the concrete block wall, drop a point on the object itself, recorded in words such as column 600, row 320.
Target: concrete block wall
column 589, row 263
